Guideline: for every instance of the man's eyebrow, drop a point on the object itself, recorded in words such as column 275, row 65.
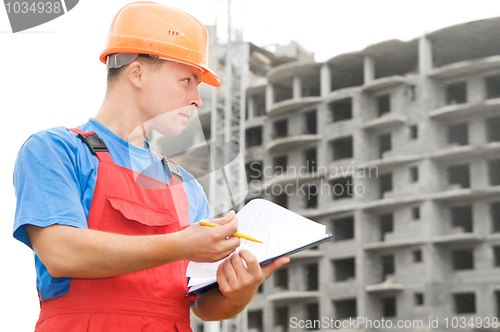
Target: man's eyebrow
column 196, row 78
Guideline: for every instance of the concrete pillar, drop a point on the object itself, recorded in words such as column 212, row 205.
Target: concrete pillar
column 251, row 107
column 297, row 87
column 325, row 80
column 269, row 97
column 368, row 70
column 424, row 55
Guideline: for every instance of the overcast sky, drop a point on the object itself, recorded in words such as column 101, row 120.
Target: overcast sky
column 51, row 76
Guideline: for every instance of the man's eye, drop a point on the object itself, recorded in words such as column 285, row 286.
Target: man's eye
column 187, row 80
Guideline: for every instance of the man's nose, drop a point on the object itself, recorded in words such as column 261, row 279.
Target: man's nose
column 196, row 101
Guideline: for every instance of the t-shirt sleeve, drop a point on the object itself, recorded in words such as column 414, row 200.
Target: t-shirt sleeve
column 47, row 185
column 198, row 203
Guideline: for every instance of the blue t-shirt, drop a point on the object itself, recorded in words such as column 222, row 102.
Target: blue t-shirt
column 54, row 179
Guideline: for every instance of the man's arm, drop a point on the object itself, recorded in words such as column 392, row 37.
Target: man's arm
column 237, row 286
column 85, row 253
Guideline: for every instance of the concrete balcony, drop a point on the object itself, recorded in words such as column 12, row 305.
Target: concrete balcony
column 391, row 203
column 383, row 82
column 391, row 162
column 287, row 71
column 390, row 286
column 287, row 105
column 467, row 109
column 289, row 142
column 384, row 122
column 465, row 67
column 293, row 296
column 306, row 255
column 465, row 151
column 388, row 245
column 456, row 239
column 463, row 194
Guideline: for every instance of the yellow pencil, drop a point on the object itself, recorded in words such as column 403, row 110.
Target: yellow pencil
column 237, row 234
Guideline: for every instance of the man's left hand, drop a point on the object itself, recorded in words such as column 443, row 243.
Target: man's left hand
column 238, row 283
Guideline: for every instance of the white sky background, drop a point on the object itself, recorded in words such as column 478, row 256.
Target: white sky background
column 50, row 76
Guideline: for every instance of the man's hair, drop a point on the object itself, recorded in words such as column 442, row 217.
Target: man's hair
column 153, row 63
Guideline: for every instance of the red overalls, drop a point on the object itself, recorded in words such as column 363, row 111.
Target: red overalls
column 152, row 300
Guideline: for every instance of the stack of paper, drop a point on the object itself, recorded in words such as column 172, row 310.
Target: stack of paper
column 281, row 231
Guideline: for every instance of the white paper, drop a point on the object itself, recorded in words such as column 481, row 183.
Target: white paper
column 279, row 229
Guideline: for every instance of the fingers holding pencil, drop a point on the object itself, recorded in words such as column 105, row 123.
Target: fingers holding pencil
column 237, row 234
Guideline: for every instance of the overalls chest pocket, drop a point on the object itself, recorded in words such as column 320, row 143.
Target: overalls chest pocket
column 127, row 216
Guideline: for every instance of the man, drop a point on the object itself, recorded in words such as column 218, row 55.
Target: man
column 112, row 241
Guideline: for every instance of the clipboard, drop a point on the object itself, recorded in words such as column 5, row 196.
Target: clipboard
column 205, row 288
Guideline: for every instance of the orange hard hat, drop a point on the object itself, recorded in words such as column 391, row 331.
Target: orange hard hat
column 154, row 29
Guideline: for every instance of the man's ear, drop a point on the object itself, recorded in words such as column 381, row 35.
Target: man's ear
column 135, row 72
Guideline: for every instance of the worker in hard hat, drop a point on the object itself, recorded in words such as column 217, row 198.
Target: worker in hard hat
column 111, row 242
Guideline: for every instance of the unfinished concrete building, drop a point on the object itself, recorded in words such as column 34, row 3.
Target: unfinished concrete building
column 396, row 149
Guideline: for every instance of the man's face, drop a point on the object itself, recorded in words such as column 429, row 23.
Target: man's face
column 170, row 95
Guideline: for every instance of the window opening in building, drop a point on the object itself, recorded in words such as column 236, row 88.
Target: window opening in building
column 496, row 253
column 312, row 310
column 261, row 288
column 458, row 134
column 343, row 229
column 207, row 133
column 385, row 184
column 255, row 320
column 461, row 216
column 389, row 306
column 411, row 93
column 259, row 106
column 384, row 143
column 492, row 132
column 311, row 271
column 414, row 173
column 386, row 225
column 342, row 188
column 493, row 87
column 419, row 299
column 456, row 93
column 310, row 155
column 200, row 327
column 281, row 128
column 417, row 255
column 387, row 266
column 383, row 104
column 281, row 318
column 311, row 123
column 414, row 132
column 253, row 137
column 311, row 196
column 459, row 174
column 342, row 148
column 254, row 171
column 282, row 93
column 497, row 294
column 282, row 200
column 415, row 213
column 280, row 165
column 494, row 171
column 465, row 303
column 344, row 269
column 281, row 278
column 341, row 109
column 345, row 308
column 463, row 259
column 495, row 216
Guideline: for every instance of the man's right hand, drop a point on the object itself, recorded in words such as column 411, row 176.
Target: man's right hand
column 209, row 244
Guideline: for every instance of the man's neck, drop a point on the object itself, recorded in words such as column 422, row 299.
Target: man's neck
column 122, row 118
